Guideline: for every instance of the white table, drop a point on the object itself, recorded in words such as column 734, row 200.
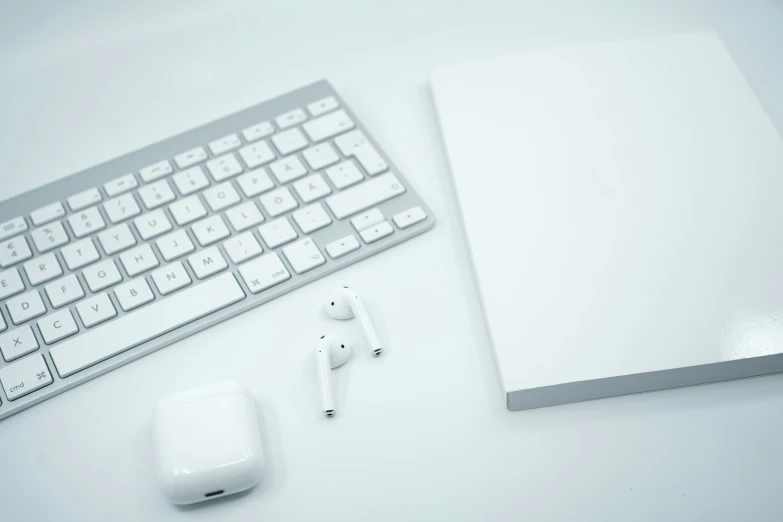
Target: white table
column 423, row 433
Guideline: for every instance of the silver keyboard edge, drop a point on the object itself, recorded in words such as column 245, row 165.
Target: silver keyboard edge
column 95, row 176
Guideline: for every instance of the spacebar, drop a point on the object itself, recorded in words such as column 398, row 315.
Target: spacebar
column 147, row 323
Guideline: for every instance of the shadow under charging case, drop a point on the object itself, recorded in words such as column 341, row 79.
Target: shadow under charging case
column 207, row 442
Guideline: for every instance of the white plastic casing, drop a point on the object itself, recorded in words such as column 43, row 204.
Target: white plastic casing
column 207, row 440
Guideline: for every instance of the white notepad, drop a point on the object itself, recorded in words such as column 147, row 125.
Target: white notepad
column 623, row 203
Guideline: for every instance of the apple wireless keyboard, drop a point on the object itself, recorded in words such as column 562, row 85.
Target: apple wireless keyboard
column 112, row 263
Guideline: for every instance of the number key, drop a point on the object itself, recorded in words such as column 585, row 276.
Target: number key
column 86, row 222
column 48, row 237
column 14, row 251
column 156, row 194
column 224, row 167
column 190, row 180
column 121, row 208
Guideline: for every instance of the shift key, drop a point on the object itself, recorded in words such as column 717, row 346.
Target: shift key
column 25, row 376
column 365, row 195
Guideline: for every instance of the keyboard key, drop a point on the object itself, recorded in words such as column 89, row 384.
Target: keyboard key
column 86, row 222
column 242, row 247
column 288, row 169
column 156, row 194
column 303, row 255
column 344, row 174
column 225, row 144
column 244, row 216
column 320, row 156
column 101, row 275
column 311, row 218
column 79, row 254
column 64, row 291
column 257, row 154
column 255, row 183
column 3, row 325
column 349, row 142
column 355, row 144
column 289, row 141
column 14, row 251
column 278, row 202
column 26, row 306
column 121, row 208
column 209, row 230
column 409, row 217
column 207, row 262
column 311, row 188
column 367, row 219
column 187, row 210
column 139, row 260
column 17, row 343
column 277, row 232
column 365, row 195
column 258, row 131
column 224, row 167
column 153, row 224
column 57, row 326
column 291, row 118
column 12, row 227
column 342, row 246
column 96, row 310
column 221, row 196
column 43, row 268
column 47, row 214
column 190, row 157
column 175, row 245
column 25, row 376
column 120, row 185
column 371, row 160
column 133, row 294
column 327, row 126
column 116, row 239
column 10, row 283
column 84, row 199
column 376, row 232
column 156, row 171
column 47, row 237
column 323, row 106
column 264, row 272
column 170, row 278
column 147, row 323
column 190, row 181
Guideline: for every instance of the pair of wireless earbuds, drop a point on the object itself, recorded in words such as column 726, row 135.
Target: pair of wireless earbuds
column 333, row 353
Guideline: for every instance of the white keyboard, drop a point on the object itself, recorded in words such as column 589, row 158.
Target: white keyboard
column 109, row 264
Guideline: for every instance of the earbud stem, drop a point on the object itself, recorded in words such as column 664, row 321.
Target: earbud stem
column 364, row 319
column 325, row 378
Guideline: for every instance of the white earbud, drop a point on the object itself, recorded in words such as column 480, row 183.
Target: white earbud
column 331, row 354
column 344, row 304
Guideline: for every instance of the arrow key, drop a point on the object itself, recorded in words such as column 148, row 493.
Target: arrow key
column 342, row 246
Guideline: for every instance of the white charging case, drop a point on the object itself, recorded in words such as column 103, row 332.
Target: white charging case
column 207, row 443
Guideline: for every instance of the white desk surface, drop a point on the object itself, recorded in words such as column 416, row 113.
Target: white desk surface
column 423, row 433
